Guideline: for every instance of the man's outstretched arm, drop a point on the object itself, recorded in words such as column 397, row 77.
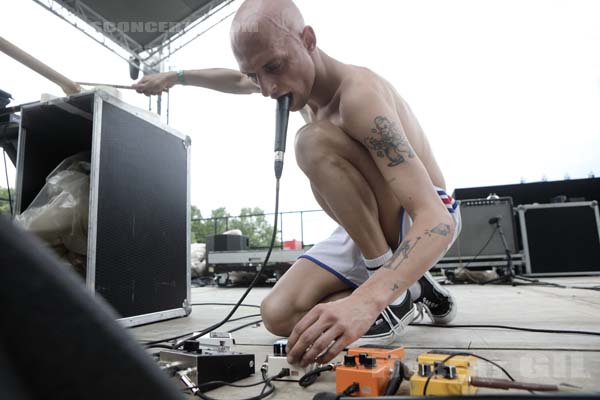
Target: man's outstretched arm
column 219, row 79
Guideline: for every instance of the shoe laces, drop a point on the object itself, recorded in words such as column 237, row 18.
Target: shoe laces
column 388, row 316
column 424, row 308
column 421, row 310
column 428, row 311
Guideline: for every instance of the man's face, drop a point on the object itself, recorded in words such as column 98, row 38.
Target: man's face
column 277, row 62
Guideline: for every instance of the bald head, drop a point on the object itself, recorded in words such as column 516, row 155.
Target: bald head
column 273, row 18
column 274, row 47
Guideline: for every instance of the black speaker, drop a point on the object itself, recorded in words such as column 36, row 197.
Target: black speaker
column 561, row 239
column 57, row 340
column 226, row 242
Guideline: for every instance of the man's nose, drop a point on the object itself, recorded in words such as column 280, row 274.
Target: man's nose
column 269, row 89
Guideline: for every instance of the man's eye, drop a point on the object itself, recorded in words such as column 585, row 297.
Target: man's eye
column 273, row 67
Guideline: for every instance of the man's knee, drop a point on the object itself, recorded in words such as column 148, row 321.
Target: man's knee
column 316, row 143
column 278, row 316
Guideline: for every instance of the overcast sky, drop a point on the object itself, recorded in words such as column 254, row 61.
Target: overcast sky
column 505, row 90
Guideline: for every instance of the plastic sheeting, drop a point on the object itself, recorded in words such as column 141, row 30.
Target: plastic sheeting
column 59, row 213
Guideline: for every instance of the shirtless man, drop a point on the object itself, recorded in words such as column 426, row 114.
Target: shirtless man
column 371, row 169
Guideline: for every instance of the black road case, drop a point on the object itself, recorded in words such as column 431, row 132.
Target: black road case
column 138, row 245
column 561, row 239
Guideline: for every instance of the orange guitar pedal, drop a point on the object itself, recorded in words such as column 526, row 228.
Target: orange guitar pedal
column 370, row 367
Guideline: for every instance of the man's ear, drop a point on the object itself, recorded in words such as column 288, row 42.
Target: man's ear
column 309, row 39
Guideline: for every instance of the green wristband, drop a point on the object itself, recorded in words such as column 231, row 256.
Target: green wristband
column 180, row 77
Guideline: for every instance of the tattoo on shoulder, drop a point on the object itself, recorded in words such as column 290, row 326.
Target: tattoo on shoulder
column 389, row 143
column 441, row 229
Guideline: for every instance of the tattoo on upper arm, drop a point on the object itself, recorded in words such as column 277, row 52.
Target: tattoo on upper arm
column 390, row 144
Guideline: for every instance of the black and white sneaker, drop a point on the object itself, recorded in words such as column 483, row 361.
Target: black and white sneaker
column 390, row 324
column 437, row 302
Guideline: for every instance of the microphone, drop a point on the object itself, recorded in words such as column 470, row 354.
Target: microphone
column 281, row 124
column 495, row 219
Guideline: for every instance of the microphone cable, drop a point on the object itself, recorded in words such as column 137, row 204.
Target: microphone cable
column 281, row 124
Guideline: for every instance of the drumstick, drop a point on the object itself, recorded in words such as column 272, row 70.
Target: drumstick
column 67, row 85
column 110, row 85
column 105, row 84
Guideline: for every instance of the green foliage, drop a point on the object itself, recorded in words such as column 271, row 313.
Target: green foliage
column 200, row 229
column 257, row 227
column 221, row 221
column 4, row 206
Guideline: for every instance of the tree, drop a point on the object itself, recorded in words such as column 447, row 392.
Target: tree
column 200, row 228
column 252, row 222
column 220, row 222
column 4, row 205
column 203, row 227
column 256, row 227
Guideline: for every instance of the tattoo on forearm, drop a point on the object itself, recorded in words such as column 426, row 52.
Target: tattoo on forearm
column 406, row 247
column 401, row 254
column 390, row 144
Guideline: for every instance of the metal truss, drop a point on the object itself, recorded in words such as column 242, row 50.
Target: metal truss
column 192, row 20
column 148, row 59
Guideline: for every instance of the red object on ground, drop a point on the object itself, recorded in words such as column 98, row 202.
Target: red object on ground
column 292, row 245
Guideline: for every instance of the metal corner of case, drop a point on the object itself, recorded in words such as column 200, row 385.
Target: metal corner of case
column 103, row 94
column 594, row 203
column 187, row 142
column 186, row 307
column 99, row 93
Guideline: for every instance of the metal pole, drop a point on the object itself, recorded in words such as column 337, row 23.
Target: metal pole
column 302, row 227
column 168, row 106
column 594, row 206
column 10, row 204
column 522, row 222
column 281, row 228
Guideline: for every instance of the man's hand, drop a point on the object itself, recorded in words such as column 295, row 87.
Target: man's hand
column 328, row 328
column 156, row 83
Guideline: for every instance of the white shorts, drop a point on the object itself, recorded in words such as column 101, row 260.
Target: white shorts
column 339, row 254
